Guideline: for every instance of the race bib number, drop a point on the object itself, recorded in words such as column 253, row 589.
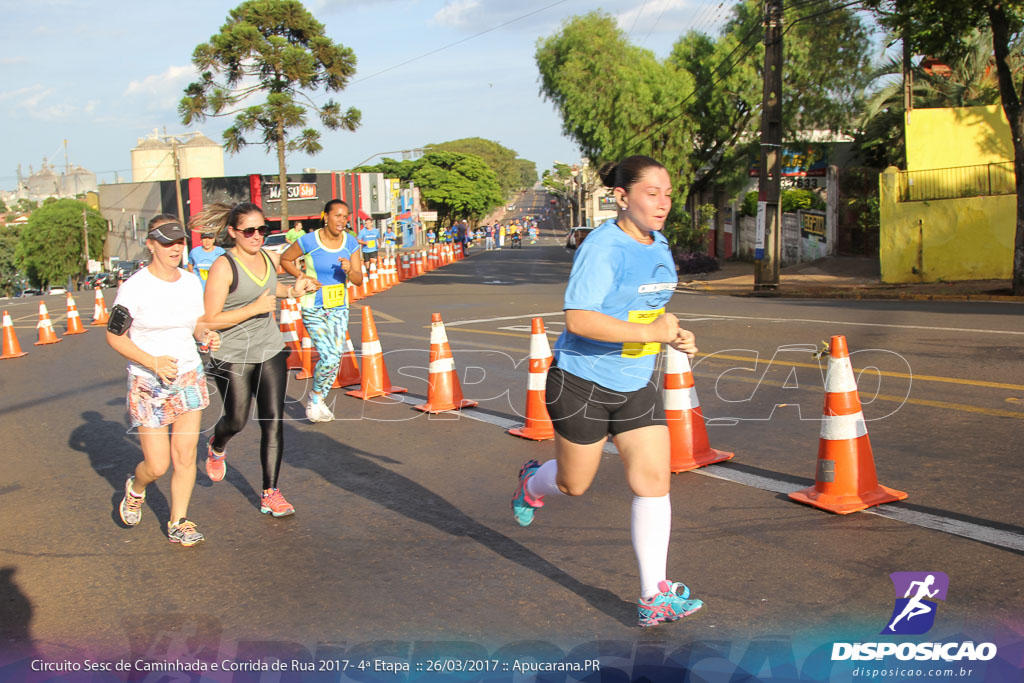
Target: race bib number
column 204, row 273
column 334, row 296
column 371, row 244
column 636, row 349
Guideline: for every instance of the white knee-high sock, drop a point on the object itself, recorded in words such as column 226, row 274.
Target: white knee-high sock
column 543, row 482
column 651, row 525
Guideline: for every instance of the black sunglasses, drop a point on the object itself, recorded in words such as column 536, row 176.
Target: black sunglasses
column 249, row 232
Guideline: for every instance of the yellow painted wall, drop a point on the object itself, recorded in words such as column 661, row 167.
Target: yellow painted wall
column 957, row 136
column 946, row 239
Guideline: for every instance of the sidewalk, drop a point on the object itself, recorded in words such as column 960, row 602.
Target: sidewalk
column 842, row 277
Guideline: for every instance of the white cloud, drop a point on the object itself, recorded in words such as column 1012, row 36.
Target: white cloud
column 164, row 90
column 8, row 61
column 458, row 13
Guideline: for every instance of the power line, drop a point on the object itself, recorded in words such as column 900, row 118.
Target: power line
column 637, row 17
column 722, row 77
column 458, row 42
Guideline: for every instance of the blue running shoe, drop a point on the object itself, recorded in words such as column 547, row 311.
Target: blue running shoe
column 667, row 605
column 523, row 504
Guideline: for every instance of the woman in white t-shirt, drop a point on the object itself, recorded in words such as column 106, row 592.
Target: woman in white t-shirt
column 154, row 325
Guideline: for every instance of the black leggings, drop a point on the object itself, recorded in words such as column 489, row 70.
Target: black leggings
column 238, row 383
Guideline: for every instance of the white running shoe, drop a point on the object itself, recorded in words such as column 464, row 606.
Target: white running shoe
column 318, row 412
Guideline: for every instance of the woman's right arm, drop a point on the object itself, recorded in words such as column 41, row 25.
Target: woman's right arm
column 217, row 284
column 165, row 367
column 289, row 256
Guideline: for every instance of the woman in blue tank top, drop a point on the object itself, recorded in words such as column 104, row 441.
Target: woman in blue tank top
column 330, row 258
column 622, row 278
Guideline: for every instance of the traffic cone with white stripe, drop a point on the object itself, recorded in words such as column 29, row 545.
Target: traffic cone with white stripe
column 11, row 347
column 290, row 333
column 45, row 327
column 348, row 373
column 374, row 381
column 687, row 433
column 374, row 278
column 364, row 286
column 846, row 480
column 444, row 392
column 99, row 311
column 305, row 355
column 74, row 321
column 538, row 423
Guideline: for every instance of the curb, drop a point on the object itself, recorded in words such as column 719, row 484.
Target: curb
column 785, row 293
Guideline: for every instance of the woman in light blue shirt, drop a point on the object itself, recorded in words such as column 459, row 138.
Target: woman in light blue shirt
column 622, row 278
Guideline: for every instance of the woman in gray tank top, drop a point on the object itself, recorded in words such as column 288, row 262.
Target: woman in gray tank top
column 241, row 299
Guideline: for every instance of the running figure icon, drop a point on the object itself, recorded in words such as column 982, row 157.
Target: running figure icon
column 915, row 607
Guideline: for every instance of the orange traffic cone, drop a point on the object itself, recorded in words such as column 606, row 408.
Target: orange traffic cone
column 306, row 370
column 290, row 333
column 538, row 423
column 99, row 311
column 687, row 434
column 353, row 292
column 375, row 381
column 364, row 286
column 403, row 269
column 374, row 282
column 11, row 348
column 74, row 321
column 444, row 392
column 419, row 264
column 348, row 373
column 845, row 481
column 45, row 327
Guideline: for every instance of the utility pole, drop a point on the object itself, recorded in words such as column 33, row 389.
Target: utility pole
column 177, row 191
column 768, row 251
column 85, row 238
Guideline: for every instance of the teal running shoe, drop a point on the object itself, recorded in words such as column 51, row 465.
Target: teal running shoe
column 523, row 504
column 667, row 605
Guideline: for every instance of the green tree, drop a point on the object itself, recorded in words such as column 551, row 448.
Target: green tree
column 50, row 246
column 10, row 275
column 457, row 186
column 941, row 27
column 3, row 206
column 502, row 160
column 527, row 173
column 276, row 48
column 25, row 205
column 698, row 111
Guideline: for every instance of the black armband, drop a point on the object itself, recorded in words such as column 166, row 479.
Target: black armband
column 119, row 321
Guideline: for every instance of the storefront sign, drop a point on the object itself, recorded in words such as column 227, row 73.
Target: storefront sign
column 272, row 192
column 812, row 225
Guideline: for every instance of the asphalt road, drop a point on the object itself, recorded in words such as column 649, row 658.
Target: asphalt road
column 403, row 544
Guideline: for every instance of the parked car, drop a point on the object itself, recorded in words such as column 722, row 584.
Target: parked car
column 57, row 290
column 94, row 280
column 275, row 243
column 576, row 236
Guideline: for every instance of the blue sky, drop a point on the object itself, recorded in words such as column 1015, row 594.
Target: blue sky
column 103, row 74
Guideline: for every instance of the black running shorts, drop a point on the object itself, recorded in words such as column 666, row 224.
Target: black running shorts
column 584, row 412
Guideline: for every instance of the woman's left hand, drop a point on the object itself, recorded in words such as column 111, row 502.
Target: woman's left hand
column 685, row 341
column 212, row 340
column 304, row 284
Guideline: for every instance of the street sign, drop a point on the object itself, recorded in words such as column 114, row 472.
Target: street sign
column 428, row 215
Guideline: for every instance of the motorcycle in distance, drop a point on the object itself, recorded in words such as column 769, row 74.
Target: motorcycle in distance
column 517, row 241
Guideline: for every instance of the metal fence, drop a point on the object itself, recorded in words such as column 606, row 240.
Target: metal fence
column 960, row 181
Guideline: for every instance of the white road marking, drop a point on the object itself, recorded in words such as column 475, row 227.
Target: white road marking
column 507, row 317
column 712, row 316
column 956, row 527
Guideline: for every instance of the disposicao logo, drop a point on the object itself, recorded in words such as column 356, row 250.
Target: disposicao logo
column 914, row 612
